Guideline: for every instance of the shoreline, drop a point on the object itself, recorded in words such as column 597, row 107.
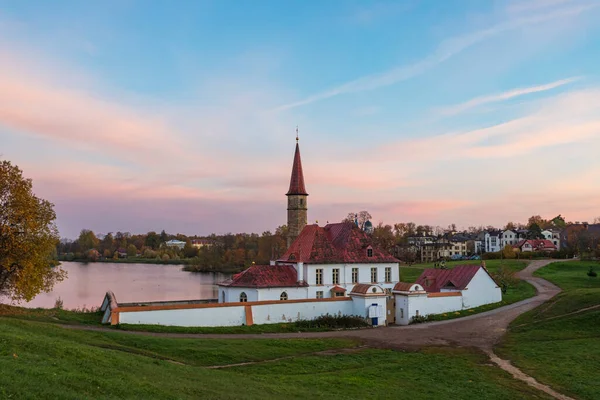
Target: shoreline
column 185, row 266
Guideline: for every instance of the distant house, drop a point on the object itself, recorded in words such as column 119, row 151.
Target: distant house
column 198, row 243
column 121, row 252
column 509, row 237
column 552, row 235
column 535, row 245
column 568, row 236
column 175, row 243
column 492, row 241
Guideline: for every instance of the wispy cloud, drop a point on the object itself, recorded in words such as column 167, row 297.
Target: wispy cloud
column 568, row 118
column 478, row 101
column 447, row 49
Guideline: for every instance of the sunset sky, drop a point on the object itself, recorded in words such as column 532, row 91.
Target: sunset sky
column 181, row 115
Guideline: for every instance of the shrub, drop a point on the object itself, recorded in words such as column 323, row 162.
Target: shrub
column 491, row 256
column 58, row 304
column 591, row 273
column 418, row 319
column 333, row 322
column 505, row 277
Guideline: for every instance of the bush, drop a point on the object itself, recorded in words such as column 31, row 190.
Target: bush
column 591, row 273
column 333, row 322
column 505, row 277
column 58, row 304
column 418, row 319
column 491, row 256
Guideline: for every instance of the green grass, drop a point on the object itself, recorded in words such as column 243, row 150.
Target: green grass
column 554, row 345
column 491, row 265
column 42, row 360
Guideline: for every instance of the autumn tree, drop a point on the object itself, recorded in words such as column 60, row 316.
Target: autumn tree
column 28, row 238
column 383, row 237
column 87, row 240
column 505, row 277
column 131, row 250
column 152, row 240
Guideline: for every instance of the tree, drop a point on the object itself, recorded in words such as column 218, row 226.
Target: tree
column 163, row 237
column 383, row 237
column 509, row 252
column 505, row 278
column 152, row 240
column 510, row 226
column 535, row 232
column 28, row 238
column 87, row 240
column 131, row 251
column 189, row 250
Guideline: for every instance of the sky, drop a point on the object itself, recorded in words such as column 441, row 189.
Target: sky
column 136, row 115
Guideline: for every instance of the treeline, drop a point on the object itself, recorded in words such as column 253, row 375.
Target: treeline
column 229, row 252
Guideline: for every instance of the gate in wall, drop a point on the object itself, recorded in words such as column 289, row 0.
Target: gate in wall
column 391, row 310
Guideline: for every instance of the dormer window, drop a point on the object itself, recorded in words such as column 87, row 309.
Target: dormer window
column 292, row 257
column 369, row 252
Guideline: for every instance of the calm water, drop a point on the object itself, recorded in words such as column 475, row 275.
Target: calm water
column 87, row 284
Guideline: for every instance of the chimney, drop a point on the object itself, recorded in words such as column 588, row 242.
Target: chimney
column 300, row 271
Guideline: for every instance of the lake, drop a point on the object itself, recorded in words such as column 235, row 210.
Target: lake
column 86, row 284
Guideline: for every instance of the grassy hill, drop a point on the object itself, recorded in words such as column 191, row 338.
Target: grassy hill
column 41, row 360
column 558, row 343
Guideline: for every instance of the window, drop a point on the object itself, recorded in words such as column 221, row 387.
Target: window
column 319, row 277
column 388, row 274
column 335, row 276
column 339, row 294
column 388, row 291
column 301, row 202
column 373, row 275
column 402, row 313
column 223, row 296
column 319, row 294
column 354, row 275
column 243, row 297
column 417, row 314
column 283, row 296
column 369, row 252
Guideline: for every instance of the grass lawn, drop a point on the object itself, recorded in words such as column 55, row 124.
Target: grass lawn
column 556, row 348
column 491, row 265
column 42, row 360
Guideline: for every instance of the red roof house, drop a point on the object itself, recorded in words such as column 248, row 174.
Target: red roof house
column 457, row 278
column 535, row 245
column 340, row 243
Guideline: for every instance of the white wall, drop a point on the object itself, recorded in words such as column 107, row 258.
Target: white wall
column 217, row 316
column 295, row 293
column 290, row 312
column 407, row 306
column 232, row 294
column 279, row 312
column 481, row 290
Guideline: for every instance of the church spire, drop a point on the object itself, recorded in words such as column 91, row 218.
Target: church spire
column 297, row 179
column 297, row 208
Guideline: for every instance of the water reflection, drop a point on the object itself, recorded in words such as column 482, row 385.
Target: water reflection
column 86, row 284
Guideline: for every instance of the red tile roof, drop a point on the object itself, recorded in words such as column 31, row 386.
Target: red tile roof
column 363, row 288
column 338, row 289
column 341, row 243
column 297, row 180
column 537, row 244
column 455, row 278
column 403, row 286
column 260, row 276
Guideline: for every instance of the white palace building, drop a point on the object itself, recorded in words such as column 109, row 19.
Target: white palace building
column 333, row 270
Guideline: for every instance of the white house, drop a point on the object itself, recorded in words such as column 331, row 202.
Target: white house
column 509, row 237
column 492, row 241
column 322, row 262
column 553, row 236
column 175, row 243
column 445, row 290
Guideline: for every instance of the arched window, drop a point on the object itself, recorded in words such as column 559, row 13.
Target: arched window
column 223, row 296
column 243, row 297
column 283, row 296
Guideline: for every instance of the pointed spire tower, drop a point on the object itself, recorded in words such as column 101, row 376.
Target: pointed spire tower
column 297, row 208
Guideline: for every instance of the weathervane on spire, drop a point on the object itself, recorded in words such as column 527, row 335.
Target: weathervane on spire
column 296, row 133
